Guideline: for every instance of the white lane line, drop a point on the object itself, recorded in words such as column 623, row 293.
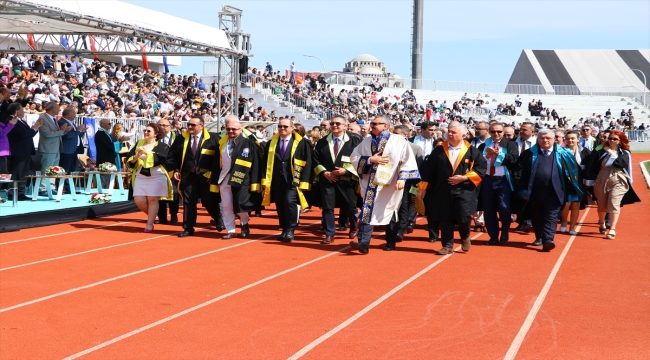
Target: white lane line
column 83, row 252
column 87, row 251
column 521, row 335
column 374, row 304
column 202, row 305
column 65, row 233
column 135, row 273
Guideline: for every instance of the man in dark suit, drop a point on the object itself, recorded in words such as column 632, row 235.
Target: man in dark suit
column 21, row 144
column 105, row 148
column 72, row 142
column 168, row 137
column 287, row 164
column 407, row 213
column 192, row 157
column 498, row 183
column 542, row 183
column 337, row 179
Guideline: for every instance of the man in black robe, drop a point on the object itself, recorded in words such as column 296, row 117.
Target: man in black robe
column 450, row 186
column 191, row 156
column 337, row 179
column 287, row 171
column 236, row 176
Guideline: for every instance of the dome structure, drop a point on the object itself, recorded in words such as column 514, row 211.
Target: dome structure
column 367, row 70
column 366, row 64
column 364, row 69
column 365, row 57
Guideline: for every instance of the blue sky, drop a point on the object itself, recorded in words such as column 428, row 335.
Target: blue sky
column 477, row 41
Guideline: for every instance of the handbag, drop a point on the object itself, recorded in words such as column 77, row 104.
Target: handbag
column 124, row 149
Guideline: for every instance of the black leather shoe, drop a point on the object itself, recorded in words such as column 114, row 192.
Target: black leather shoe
column 174, row 219
column 342, row 227
column 537, row 242
column 229, row 236
column 327, row 240
column 520, row 227
column 493, row 242
column 389, row 247
column 399, row 237
column 160, row 222
column 186, row 233
column 363, row 248
column 245, row 231
column 219, row 227
column 548, row 246
column 288, row 237
column 504, row 239
column 258, row 214
column 432, row 240
column 281, row 236
column 409, row 228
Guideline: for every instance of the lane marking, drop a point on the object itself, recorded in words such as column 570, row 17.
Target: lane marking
column 90, row 251
column 136, row 273
column 374, row 304
column 521, row 335
column 65, row 233
column 202, row 305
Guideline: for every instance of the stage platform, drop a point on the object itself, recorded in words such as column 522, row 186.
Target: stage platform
column 47, row 212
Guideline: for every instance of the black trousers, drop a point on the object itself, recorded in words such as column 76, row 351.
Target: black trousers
column 196, row 186
column 328, row 220
column 447, row 232
column 406, row 210
column 286, row 201
column 172, row 205
column 365, row 232
column 20, row 167
column 545, row 211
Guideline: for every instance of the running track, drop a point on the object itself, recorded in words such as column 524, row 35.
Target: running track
column 104, row 289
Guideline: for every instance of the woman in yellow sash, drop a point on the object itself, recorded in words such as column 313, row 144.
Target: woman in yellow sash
column 149, row 180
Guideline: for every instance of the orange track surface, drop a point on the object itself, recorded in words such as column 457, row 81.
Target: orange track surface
column 90, row 287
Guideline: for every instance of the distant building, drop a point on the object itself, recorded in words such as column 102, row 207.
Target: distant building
column 370, row 68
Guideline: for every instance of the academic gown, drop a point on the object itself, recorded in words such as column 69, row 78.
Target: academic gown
column 245, row 173
column 300, row 165
column 342, row 193
column 157, row 157
column 437, row 169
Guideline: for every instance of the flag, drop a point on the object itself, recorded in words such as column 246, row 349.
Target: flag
column 165, row 63
column 145, row 63
column 93, row 47
column 30, row 40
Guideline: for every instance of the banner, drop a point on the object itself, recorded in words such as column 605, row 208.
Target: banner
column 31, row 119
column 90, row 135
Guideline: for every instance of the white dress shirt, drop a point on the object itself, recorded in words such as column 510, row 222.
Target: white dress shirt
column 453, row 154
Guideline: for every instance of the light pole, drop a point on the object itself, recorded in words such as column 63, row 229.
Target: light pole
column 321, row 61
column 645, row 86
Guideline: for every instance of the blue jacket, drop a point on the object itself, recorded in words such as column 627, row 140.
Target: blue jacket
column 69, row 140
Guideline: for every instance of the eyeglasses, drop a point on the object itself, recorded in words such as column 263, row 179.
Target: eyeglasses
column 337, row 123
column 147, row 131
column 558, row 136
column 377, row 123
column 323, row 125
column 508, row 135
column 283, row 126
column 192, row 125
column 586, row 129
column 613, row 139
column 232, row 129
column 496, row 131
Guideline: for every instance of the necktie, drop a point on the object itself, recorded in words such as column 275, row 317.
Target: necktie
column 547, row 152
column 523, row 147
column 284, row 147
column 195, row 145
column 230, row 146
column 493, row 160
column 336, row 147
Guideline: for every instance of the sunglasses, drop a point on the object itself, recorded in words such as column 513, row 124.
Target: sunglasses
column 586, row 129
column 377, row 123
column 323, row 125
column 147, row 131
column 613, row 139
column 283, row 126
column 337, row 123
column 508, row 135
column 232, row 129
column 192, row 125
column 496, row 132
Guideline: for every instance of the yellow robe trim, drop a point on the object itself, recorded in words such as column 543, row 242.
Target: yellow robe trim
column 473, row 177
column 463, row 151
column 214, row 188
column 245, row 163
column 256, row 188
column 266, row 181
column 319, row 169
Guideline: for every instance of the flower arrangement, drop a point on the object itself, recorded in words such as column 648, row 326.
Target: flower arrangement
column 99, row 199
column 106, row 167
column 54, row 171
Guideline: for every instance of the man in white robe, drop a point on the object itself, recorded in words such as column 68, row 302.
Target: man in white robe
column 384, row 162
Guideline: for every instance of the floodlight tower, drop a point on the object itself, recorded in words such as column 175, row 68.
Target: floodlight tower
column 416, row 46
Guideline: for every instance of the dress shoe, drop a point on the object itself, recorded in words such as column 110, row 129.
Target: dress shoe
column 409, row 228
column 537, row 242
column 363, row 248
column 389, row 247
column 288, row 237
column 466, row 244
column 432, row 240
column 343, row 227
column 219, row 227
column 493, row 242
column 186, row 233
column 327, row 240
column 304, row 211
column 353, row 233
column 174, row 219
column 148, row 230
column 548, row 246
column 445, row 251
column 399, row 237
column 245, row 231
column 281, row 236
column 258, row 214
column 520, row 227
column 504, row 239
column 160, row 222
column 230, row 235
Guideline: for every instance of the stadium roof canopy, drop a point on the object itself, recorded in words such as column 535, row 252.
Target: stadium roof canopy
column 583, row 71
column 108, row 27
